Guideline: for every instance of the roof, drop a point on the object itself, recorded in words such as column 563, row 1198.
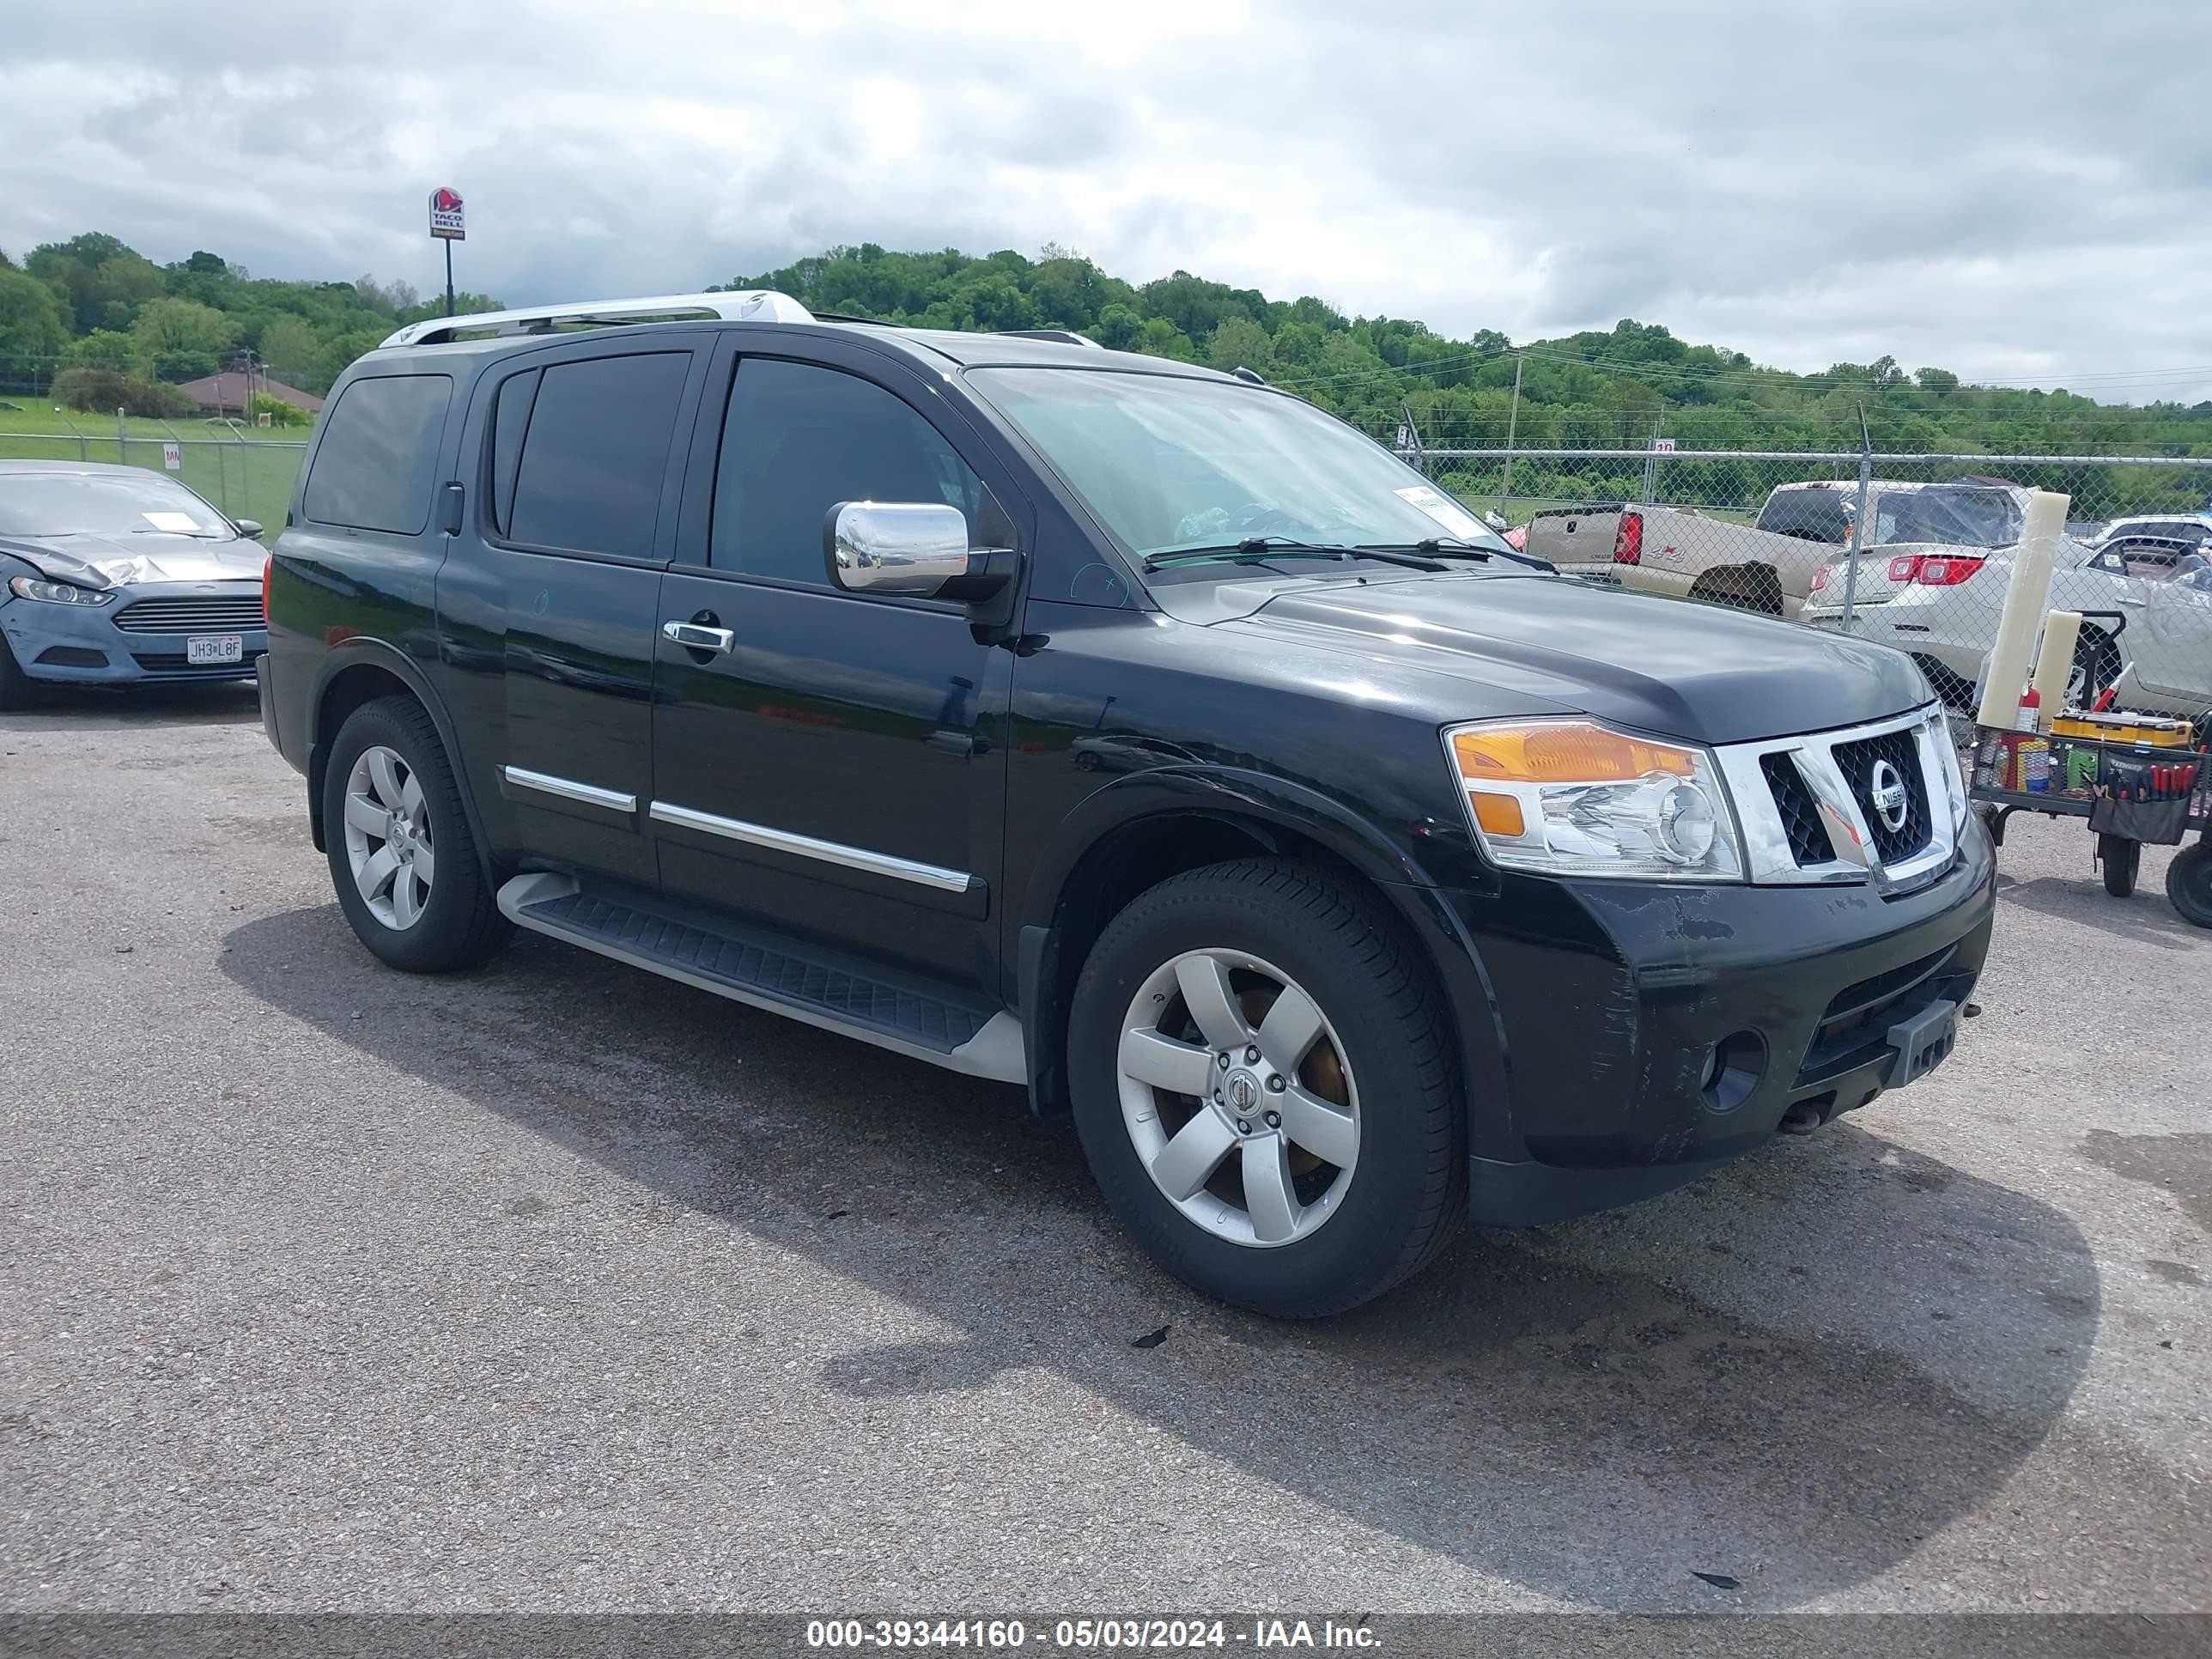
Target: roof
column 765, row 308
column 232, row 387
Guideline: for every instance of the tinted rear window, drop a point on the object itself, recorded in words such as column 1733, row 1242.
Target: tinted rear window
column 1810, row 515
column 595, row 454
column 373, row 468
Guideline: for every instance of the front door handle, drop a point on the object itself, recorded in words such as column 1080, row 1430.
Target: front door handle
column 693, row 636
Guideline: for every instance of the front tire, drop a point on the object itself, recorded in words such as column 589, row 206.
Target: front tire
column 401, row 859
column 1264, row 1085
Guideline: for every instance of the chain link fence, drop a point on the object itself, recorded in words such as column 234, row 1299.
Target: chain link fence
column 1911, row 550
column 246, row 478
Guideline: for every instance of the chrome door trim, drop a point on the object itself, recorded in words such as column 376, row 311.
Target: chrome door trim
column 569, row 789
column 806, row 846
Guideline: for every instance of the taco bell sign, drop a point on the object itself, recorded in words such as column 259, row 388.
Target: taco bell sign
column 445, row 219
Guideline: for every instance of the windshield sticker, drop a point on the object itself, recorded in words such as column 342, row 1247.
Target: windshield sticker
column 181, row 523
column 1444, row 510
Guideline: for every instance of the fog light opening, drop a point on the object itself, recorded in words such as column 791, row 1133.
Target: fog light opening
column 1733, row 1066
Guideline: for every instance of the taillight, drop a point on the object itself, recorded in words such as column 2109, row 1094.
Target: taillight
column 267, row 561
column 1820, row 577
column 1905, row 567
column 1936, row 571
column 1628, row 540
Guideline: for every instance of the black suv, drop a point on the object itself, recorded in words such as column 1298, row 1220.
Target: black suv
column 1131, row 732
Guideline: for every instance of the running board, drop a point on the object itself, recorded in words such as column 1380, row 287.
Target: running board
column 775, row 974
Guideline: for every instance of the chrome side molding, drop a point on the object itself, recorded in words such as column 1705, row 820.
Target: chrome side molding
column 545, row 783
column 806, row 846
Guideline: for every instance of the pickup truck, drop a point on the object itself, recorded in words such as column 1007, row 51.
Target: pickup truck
column 1766, row 566
column 1135, row 736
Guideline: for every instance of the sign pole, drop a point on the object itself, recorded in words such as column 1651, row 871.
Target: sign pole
column 449, row 225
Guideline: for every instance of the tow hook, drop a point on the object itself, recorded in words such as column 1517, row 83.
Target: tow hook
column 1802, row 1118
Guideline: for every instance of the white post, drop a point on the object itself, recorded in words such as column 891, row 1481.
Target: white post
column 2006, row 676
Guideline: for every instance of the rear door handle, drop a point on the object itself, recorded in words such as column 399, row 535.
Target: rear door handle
column 693, row 637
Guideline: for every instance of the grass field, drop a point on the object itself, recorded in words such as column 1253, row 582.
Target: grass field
column 248, row 475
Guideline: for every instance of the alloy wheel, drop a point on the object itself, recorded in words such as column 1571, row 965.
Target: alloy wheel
column 1237, row 1098
column 387, row 837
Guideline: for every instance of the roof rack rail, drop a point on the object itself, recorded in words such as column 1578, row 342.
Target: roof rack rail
column 742, row 305
column 1065, row 336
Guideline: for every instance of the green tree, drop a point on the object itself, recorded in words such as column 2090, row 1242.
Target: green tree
column 287, row 346
column 180, row 340
column 104, row 348
column 1240, row 343
column 31, row 332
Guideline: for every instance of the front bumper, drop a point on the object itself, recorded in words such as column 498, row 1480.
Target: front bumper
column 80, row 644
column 1651, row 1033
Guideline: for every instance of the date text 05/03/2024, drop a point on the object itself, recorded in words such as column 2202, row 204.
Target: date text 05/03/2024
column 1082, row 1635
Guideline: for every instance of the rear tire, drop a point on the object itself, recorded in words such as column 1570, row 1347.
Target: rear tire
column 410, row 884
column 2189, row 882
column 1390, row 1192
column 2121, row 859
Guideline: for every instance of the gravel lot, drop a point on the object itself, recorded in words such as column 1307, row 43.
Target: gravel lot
column 556, row 1285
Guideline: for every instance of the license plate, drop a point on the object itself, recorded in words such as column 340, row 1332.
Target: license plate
column 1923, row 1042
column 206, row 650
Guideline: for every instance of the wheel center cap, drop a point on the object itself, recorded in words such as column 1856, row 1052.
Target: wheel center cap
column 1241, row 1092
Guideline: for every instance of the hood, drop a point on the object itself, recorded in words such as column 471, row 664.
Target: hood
column 1665, row 666
column 124, row 560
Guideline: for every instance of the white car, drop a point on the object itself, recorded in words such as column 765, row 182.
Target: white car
column 1933, row 579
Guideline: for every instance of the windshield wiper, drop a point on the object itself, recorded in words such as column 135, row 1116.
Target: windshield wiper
column 1258, row 549
column 1445, row 547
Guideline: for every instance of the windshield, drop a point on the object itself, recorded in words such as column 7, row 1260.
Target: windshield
column 1955, row 518
column 104, row 504
column 1170, row 463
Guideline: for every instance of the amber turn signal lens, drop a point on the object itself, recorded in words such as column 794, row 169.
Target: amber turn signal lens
column 1565, row 751
column 1498, row 815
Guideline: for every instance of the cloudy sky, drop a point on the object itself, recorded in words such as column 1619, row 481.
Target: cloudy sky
column 2020, row 191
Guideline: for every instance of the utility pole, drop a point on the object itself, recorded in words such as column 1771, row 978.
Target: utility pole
column 1512, row 425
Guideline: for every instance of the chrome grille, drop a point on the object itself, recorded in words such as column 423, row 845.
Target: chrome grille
column 1807, row 811
column 198, row 613
column 1800, row 813
column 1860, row 761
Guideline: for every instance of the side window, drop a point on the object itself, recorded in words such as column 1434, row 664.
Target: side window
column 373, row 470
column 594, row 452
column 510, row 419
column 797, row 440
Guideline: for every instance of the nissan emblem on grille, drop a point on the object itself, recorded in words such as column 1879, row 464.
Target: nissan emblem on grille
column 1890, row 800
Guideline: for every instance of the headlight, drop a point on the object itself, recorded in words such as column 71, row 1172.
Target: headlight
column 1574, row 797
column 30, row 587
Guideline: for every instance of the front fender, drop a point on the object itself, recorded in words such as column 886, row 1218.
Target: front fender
column 1279, row 811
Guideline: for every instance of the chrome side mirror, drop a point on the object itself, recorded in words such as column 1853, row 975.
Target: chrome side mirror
column 249, row 528
column 896, row 547
column 915, row 548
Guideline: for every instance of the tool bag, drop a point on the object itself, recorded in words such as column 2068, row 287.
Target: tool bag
column 2140, row 798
